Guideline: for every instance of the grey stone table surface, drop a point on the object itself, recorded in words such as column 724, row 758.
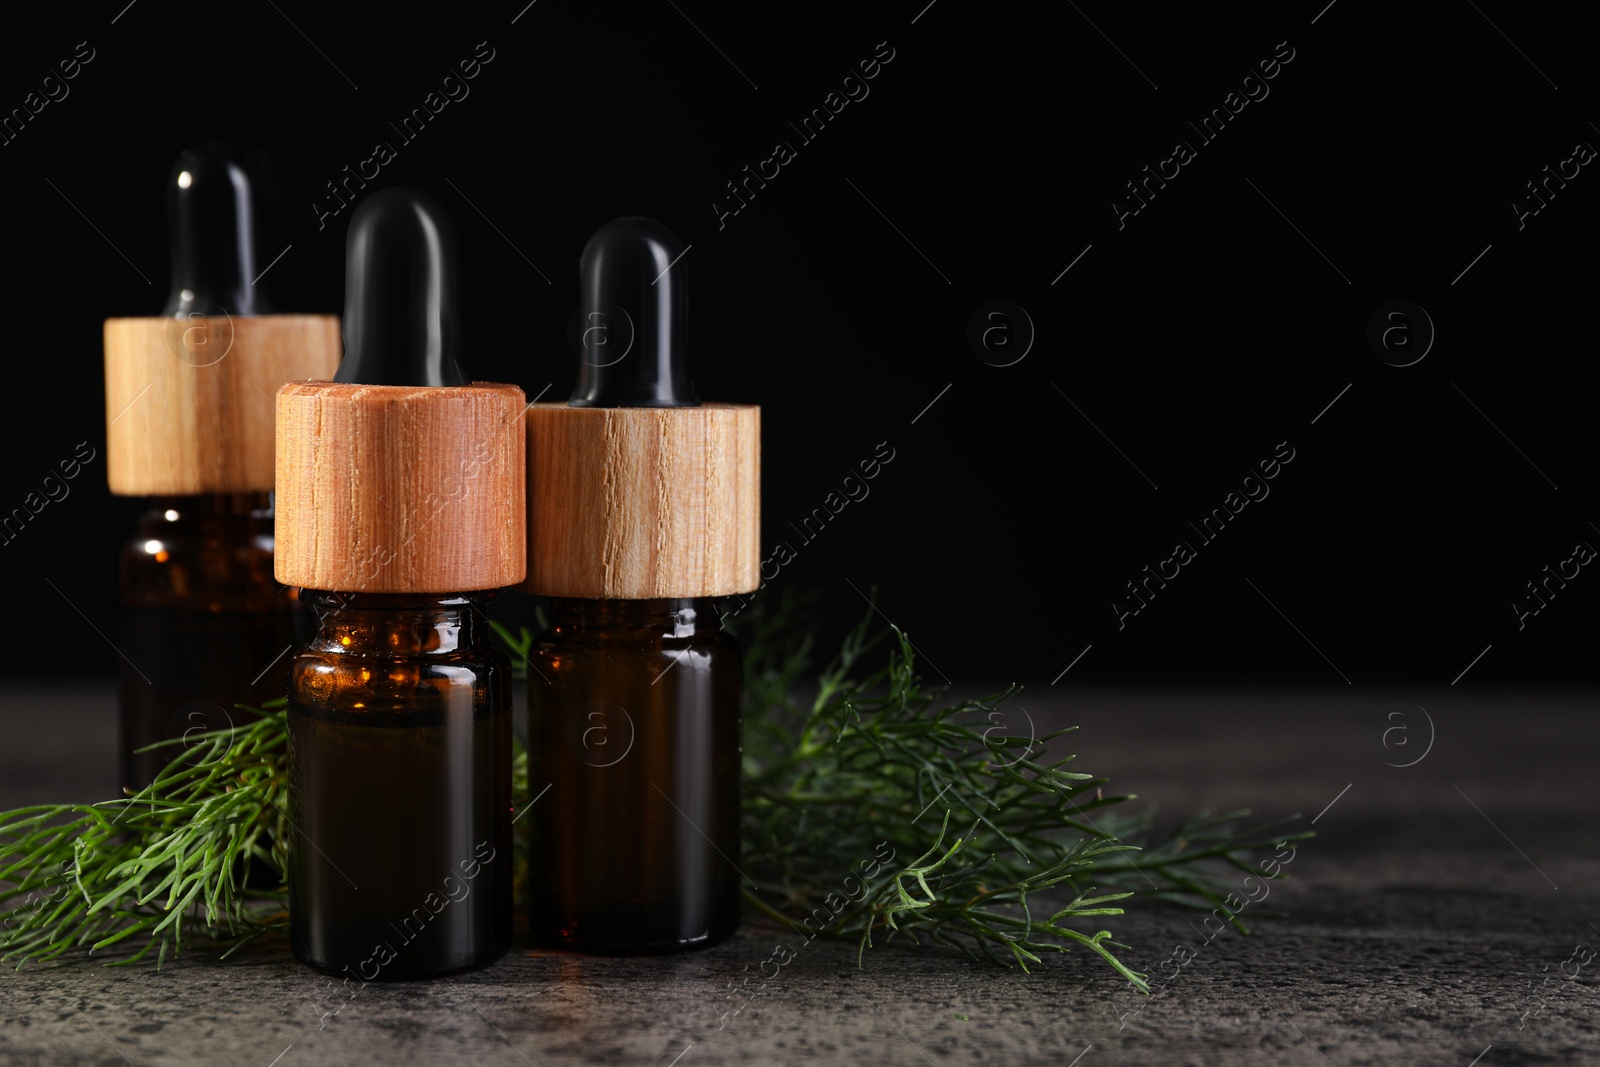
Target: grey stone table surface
column 1446, row 913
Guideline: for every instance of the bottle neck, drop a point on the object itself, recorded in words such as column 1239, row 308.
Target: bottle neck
column 393, row 624
column 683, row 617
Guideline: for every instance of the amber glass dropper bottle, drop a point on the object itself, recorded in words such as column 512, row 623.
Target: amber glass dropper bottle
column 202, row 625
column 643, row 506
column 399, row 512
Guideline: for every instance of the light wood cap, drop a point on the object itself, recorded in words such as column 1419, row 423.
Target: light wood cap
column 189, row 402
column 400, row 489
column 641, row 503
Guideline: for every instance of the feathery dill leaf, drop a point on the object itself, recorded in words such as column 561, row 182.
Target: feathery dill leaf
column 844, row 785
column 143, row 871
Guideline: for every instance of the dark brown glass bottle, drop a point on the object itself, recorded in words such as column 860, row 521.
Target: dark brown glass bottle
column 400, row 862
column 634, row 727
column 400, row 788
column 202, row 624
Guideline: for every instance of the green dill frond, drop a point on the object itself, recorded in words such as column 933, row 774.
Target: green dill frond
column 842, row 792
column 141, row 872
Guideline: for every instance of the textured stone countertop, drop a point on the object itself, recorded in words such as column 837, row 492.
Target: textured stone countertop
column 1447, row 913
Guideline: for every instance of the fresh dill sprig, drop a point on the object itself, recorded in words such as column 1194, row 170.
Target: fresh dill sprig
column 171, row 859
column 872, row 764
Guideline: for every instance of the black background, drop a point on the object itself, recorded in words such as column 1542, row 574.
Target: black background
column 981, row 164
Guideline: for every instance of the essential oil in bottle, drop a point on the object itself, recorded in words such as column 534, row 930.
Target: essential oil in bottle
column 643, row 507
column 201, row 622
column 393, row 486
column 400, row 739
column 202, row 625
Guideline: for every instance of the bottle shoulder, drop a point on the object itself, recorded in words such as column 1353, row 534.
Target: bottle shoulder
column 558, row 638
column 348, row 682
column 636, row 624
column 335, row 656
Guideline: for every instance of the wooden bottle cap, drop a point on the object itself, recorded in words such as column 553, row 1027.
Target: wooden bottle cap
column 400, row 488
column 189, row 402
column 641, row 503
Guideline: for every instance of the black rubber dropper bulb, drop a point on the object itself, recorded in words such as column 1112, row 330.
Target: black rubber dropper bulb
column 211, row 219
column 634, row 319
column 400, row 317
